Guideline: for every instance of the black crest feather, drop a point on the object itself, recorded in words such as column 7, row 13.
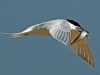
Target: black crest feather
column 73, row 22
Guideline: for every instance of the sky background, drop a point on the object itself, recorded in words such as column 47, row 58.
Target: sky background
column 34, row 55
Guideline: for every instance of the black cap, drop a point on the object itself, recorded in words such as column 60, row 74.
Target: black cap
column 73, row 22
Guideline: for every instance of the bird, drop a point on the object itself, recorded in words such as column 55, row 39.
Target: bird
column 66, row 31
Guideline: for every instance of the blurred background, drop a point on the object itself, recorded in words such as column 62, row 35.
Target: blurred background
column 33, row 55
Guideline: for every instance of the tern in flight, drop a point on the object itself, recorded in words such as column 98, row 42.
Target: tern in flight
column 66, row 31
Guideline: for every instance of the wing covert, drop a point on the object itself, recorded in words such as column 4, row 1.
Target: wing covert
column 61, row 32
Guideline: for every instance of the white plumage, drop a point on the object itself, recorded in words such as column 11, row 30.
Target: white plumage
column 65, row 31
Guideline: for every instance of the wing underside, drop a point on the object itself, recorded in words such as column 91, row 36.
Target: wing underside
column 82, row 49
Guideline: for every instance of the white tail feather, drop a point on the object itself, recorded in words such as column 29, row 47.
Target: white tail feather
column 14, row 35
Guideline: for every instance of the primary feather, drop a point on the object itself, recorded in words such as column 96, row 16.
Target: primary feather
column 65, row 32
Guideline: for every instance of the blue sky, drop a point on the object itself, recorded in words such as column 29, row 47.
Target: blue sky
column 34, row 55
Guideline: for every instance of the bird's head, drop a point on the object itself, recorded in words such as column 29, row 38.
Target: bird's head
column 84, row 32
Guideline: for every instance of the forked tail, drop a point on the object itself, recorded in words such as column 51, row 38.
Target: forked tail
column 14, row 35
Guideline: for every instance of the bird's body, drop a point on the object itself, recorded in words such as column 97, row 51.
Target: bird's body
column 65, row 31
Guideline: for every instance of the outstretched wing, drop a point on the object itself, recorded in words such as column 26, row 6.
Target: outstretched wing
column 61, row 32
column 42, row 29
column 82, row 49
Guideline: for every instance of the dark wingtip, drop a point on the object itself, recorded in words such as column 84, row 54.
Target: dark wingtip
column 93, row 65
